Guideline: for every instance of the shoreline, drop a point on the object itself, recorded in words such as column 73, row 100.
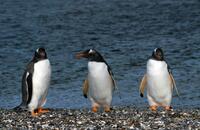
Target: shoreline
column 118, row 118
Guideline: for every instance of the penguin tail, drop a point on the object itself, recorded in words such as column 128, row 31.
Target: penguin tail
column 21, row 107
column 17, row 108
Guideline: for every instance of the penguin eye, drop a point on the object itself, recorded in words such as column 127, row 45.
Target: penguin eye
column 90, row 54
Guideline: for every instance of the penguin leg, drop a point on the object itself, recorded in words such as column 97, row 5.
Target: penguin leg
column 107, row 103
column 168, row 108
column 152, row 103
column 42, row 110
column 38, row 111
column 34, row 113
column 153, row 108
column 95, row 107
column 107, row 108
column 43, row 101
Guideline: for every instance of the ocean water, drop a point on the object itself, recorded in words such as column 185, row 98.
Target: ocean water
column 125, row 32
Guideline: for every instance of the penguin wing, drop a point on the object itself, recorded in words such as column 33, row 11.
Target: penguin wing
column 27, row 84
column 112, row 77
column 173, row 83
column 85, row 88
column 172, row 78
column 113, row 80
column 143, row 84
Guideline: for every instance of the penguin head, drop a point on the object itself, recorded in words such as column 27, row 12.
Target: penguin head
column 158, row 54
column 40, row 54
column 91, row 55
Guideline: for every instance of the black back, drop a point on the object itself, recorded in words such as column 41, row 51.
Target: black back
column 95, row 56
column 27, row 84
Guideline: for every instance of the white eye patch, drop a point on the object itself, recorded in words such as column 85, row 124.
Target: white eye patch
column 91, row 51
column 155, row 50
column 37, row 50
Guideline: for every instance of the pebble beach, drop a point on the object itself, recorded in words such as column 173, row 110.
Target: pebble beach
column 118, row 118
column 125, row 32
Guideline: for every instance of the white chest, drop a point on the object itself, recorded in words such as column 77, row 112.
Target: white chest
column 99, row 80
column 97, row 69
column 42, row 69
column 156, row 67
column 41, row 76
column 158, row 82
column 41, row 80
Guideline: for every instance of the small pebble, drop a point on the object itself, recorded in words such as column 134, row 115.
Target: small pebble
column 118, row 118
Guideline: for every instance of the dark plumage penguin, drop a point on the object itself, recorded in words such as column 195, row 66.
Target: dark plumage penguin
column 35, row 83
column 159, row 81
column 99, row 84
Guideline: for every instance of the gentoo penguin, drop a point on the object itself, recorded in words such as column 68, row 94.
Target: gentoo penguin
column 35, row 83
column 159, row 81
column 99, row 84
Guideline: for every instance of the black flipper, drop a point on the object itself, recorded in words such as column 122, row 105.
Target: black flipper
column 30, row 89
column 113, row 80
column 172, row 78
column 26, row 87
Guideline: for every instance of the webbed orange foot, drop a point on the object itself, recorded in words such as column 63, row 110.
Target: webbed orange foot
column 42, row 110
column 34, row 113
column 107, row 109
column 153, row 108
column 168, row 108
column 95, row 108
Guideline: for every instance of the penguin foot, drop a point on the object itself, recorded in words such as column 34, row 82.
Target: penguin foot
column 107, row 109
column 95, row 108
column 34, row 113
column 42, row 110
column 168, row 108
column 39, row 111
column 153, row 108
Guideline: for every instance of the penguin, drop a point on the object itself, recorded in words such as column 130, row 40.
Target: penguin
column 100, row 83
column 159, row 81
column 35, row 83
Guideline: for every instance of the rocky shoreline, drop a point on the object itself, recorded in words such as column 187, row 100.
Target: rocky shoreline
column 118, row 118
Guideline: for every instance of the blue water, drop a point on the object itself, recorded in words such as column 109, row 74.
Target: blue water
column 124, row 32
